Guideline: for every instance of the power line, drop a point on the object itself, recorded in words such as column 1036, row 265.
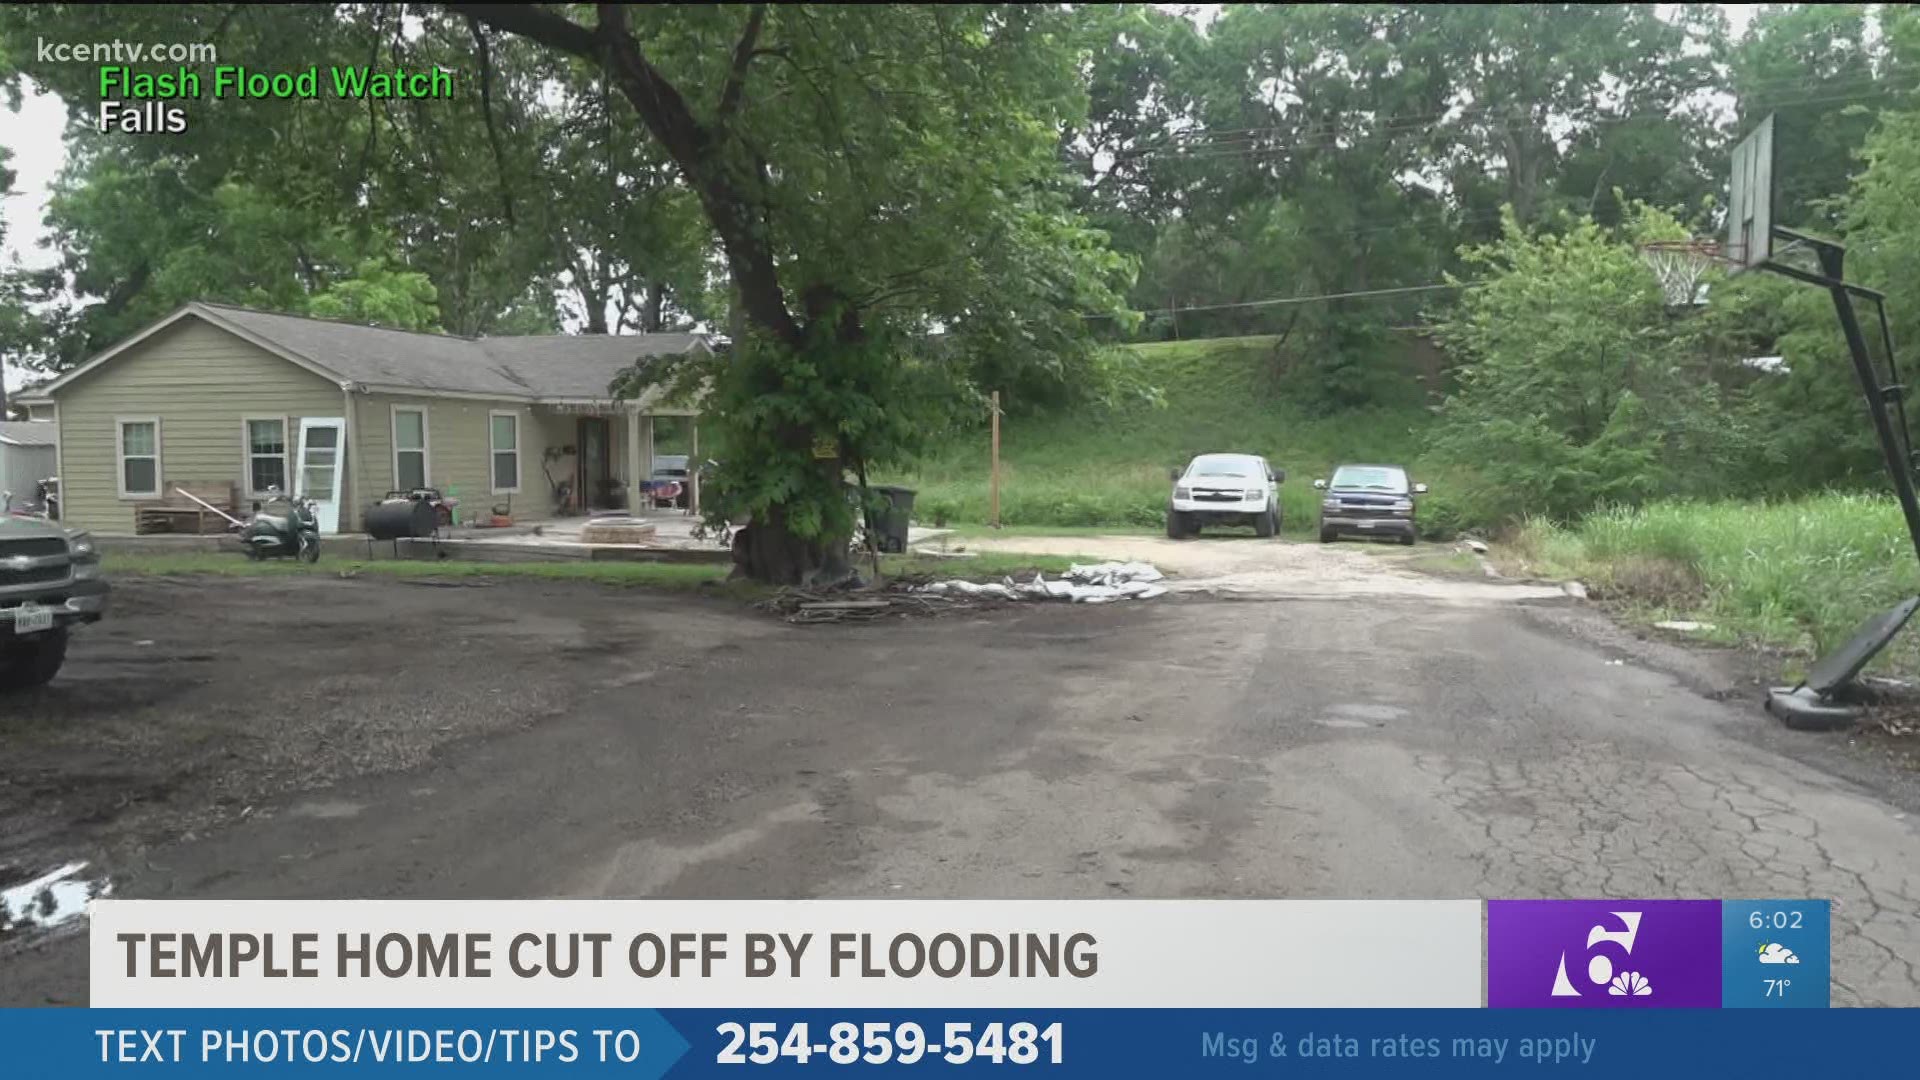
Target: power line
column 1283, row 301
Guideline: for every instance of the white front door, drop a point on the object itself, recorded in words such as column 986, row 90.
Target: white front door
column 318, row 478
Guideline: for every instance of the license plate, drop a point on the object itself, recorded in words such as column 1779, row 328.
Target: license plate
column 32, row 618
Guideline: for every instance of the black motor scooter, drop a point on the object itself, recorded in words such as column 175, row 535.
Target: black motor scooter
column 290, row 533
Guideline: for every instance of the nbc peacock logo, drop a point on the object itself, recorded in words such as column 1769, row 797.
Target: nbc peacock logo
column 1601, row 953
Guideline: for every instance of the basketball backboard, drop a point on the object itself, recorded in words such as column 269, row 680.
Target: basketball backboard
column 1750, row 199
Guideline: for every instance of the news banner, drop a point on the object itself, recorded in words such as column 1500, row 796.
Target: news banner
column 1449, row 988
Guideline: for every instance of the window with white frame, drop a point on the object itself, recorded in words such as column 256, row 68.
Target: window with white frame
column 266, row 453
column 504, row 440
column 409, row 449
column 139, row 454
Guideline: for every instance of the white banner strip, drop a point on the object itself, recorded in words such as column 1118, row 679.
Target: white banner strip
column 787, row 954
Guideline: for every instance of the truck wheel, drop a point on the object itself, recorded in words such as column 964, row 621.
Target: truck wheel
column 1326, row 536
column 1407, row 540
column 1264, row 524
column 1176, row 525
column 33, row 661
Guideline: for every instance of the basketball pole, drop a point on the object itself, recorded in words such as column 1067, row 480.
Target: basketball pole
column 1832, row 260
column 1826, row 698
column 1819, row 702
column 1832, row 277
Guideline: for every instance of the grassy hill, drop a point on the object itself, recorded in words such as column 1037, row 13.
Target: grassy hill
column 1108, row 467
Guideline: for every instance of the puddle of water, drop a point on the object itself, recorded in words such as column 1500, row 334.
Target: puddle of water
column 48, row 901
column 1342, row 722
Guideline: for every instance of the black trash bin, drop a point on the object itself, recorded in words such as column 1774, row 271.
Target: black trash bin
column 888, row 525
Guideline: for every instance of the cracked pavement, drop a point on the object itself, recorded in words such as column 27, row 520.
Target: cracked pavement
column 1325, row 747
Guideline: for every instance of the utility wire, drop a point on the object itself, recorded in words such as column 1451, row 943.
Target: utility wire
column 1217, row 150
column 1282, row 301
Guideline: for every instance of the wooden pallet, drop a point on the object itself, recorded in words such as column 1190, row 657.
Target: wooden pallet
column 177, row 514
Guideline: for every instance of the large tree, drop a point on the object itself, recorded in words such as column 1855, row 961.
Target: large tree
column 513, row 205
column 871, row 174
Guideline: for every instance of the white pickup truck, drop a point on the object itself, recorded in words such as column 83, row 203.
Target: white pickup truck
column 1225, row 489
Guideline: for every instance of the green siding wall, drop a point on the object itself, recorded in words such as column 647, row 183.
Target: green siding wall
column 459, row 455
column 199, row 381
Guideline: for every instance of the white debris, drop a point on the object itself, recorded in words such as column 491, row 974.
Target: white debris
column 1098, row 584
column 1685, row 626
column 1574, row 589
column 1113, row 573
column 968, row 588
column 1475, row 546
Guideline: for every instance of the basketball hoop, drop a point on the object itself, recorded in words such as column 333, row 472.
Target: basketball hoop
column 1681, row 266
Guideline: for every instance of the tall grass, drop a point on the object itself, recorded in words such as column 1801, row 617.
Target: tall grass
column 1800, row 574
column 1108, row 467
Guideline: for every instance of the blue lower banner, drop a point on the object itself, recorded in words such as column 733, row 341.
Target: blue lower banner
column 638, row 1043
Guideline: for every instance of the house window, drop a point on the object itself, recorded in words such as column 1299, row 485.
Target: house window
column 266, row 453
column 139, row 457
column 409, row 449
column 504, row 434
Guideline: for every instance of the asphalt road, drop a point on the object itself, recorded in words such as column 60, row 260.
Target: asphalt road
column 369, row 739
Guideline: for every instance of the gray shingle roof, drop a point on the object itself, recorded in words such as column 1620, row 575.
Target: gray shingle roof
column 556, row 366
column 27, row 432
column 579, row 366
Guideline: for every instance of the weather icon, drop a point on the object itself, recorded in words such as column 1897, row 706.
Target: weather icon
column 1777, row 954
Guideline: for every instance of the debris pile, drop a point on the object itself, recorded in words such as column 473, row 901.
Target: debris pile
column 1097, row 584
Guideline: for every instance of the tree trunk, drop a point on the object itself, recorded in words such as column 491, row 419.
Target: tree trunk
column 593, row 301
column 769, row 552
column 650, row 313
column 729, row 179
column 596, row 319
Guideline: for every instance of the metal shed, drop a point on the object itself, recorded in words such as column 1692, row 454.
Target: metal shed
column 28, row 455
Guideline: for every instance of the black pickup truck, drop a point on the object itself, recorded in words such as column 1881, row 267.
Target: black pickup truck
column 50, row 581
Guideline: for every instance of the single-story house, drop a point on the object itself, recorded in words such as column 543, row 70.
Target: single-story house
column 347, row 413
column 26, row 456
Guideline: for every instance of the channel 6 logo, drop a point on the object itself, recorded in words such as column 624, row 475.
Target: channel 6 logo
column 1585, row 954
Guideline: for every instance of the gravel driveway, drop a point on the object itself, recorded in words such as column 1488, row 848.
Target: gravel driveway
column 1244, row 566
column 318, row 737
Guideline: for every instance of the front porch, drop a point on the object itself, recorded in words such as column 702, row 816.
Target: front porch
column 602, row 455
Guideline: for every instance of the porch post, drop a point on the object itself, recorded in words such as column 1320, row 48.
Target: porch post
column 634, row 473
column 646, row 446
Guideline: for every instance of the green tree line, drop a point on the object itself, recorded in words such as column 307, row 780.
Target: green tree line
column 892, row 210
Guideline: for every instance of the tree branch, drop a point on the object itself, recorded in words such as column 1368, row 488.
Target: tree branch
column 743, row 54
column 535, row 24
column 727, row 193
column 486, row 112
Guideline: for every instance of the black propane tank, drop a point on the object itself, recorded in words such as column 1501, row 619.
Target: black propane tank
column 395, row 519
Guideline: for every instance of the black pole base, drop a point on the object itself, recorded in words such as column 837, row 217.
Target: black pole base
column 1800, row 708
